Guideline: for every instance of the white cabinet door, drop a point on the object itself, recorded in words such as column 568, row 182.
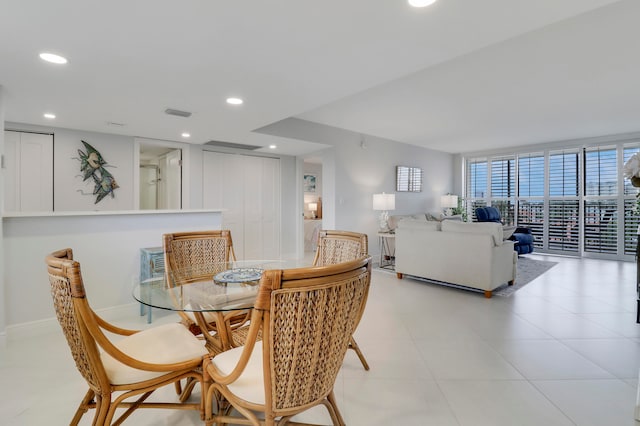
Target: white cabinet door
column 248, row 189
column 29, row 172
column 270, row 201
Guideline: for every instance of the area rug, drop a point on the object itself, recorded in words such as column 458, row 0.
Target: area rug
column 528, row 270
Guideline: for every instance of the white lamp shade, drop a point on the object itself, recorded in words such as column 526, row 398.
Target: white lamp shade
column 384, row 201
column 313, row 206
column 449, row 201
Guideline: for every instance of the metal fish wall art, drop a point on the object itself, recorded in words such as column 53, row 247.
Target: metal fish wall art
column 92, row 165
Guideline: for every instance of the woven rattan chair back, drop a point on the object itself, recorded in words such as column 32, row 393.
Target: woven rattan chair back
column 189, row 255
column 84, row 331
column 340, row 246
column 306, row 316
column 67, row 289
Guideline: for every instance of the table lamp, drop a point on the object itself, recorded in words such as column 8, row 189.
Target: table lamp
column 384, row 202
column 449, row 202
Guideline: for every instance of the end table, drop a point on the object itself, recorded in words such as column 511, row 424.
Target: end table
column 387, row 244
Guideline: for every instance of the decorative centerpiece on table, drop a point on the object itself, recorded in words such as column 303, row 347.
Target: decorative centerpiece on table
column 631, row 171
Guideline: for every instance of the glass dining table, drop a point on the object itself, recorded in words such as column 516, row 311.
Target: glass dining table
column 212, row 293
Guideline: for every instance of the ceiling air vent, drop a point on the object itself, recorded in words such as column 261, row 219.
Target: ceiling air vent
column 232, row 145
column 177, row 112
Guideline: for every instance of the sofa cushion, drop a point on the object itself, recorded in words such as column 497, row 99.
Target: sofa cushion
column 488, row 214
column 489, row 228
column 409, row 223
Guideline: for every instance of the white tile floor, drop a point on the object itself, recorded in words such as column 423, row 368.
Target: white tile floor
column 564, row 350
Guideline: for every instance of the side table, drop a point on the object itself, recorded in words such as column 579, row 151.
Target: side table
column 151, row 266
column 386, row 240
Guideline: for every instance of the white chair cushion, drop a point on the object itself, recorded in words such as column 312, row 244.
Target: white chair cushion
column 164, row 344
column 250, row 384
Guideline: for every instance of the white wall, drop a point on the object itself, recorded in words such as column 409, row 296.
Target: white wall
column 116, row 150
column 119, row 152
column 291, row 223
column 352, row 172
column 102, row 241
column 3, row 312
column 107, row 246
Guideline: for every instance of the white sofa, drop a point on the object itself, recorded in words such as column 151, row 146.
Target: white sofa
column 473, row 255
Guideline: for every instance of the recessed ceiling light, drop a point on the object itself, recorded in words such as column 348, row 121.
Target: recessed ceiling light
column 53, row 58
column 49, row 116
column 186, row 135
column 234, row 101
column 272, row 146
column 421, row 3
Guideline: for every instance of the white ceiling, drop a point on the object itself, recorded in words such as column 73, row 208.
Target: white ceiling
column 462, row 75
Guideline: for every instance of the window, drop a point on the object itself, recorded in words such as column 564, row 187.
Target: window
column 503, row 188
column 564, row 202
column 476, row 186
column 530, row 203
column 575, row 200
column 601, row 173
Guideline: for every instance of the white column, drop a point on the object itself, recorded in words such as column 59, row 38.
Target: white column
column 3, row 310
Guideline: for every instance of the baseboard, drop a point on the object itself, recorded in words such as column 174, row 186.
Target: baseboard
column 34, row 329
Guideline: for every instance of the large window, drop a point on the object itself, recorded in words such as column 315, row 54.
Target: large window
column 531, row 172
column 503, row 187
column 563, row 231
column 601, row 201
column 477, row 188
column 574, row 200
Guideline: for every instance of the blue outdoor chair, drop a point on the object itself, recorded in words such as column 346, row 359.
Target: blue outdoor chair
column 522, row 236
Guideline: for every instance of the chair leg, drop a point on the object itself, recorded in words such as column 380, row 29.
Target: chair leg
column 488, row 294
column 85, row 405
column 353, row 345
column 334, row 412
column 103, row 407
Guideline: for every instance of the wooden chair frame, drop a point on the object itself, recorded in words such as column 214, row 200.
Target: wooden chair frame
column 290, row 312
column 341, row 246
column 85, row 333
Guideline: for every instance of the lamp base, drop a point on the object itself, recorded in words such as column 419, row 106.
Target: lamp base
column 384, row 222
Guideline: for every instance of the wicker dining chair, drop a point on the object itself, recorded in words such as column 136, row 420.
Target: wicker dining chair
column 341, row 246
column 306, row 317
column 190, row 256
column 134, row 366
